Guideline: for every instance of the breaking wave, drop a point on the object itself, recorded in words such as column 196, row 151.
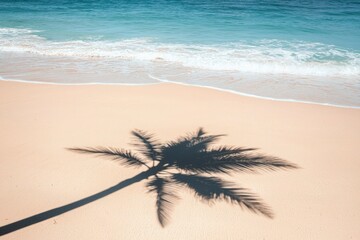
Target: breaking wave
column 260, row 57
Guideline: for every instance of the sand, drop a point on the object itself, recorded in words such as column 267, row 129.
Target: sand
column 37, row 122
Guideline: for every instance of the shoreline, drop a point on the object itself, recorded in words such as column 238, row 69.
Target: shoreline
column 161, row 81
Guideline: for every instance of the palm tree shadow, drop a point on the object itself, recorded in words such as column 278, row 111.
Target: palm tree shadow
column 68, row 207
column 189, row 161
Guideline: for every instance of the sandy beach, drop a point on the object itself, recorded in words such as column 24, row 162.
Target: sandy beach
column 38, row 121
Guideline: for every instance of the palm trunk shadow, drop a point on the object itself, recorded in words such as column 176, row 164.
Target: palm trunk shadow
column 71, row 206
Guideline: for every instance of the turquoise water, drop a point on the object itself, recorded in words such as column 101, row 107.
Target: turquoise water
column 300, row 50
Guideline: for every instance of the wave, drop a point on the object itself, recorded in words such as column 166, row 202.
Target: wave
column 263, row 57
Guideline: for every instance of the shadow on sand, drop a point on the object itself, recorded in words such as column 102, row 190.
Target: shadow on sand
column 187, row 162
column 68, row 207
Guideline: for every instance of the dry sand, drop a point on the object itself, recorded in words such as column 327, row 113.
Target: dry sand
column 37, row 123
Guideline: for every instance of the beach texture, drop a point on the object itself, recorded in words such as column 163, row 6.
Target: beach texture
column 37, row 122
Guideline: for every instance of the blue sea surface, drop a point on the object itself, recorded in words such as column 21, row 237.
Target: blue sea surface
column 300, row 50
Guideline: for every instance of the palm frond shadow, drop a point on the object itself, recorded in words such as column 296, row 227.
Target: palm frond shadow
column 187, row 162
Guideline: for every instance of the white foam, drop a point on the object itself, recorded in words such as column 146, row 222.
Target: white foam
column 263, row 57
column 160, row 81
column 75, row 84
column 252, row 95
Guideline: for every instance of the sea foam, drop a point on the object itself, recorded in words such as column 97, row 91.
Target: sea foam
column 273, row 69
column 263, row 56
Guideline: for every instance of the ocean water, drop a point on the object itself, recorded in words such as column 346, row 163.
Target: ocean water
column 283, row 49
